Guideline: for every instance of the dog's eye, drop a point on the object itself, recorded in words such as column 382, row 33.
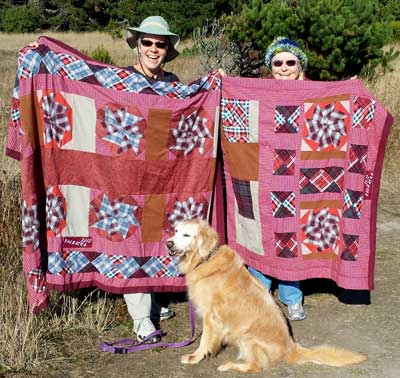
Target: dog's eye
column 186, row 235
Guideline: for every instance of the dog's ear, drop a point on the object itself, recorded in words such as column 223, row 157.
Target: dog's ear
column 207, row 240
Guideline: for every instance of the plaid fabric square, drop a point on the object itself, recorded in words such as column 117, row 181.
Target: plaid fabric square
column 320, row 180
column 56, row 263
column 353, row 201
column 116, row 266
column 77, row 69
column 286, row 244
column 284, row 162
column 75, row 262
column 350, row 247
column 56, row 122
column 364, row 112
column 161, row 267
column 115, row 217
column 190, row 133
column 122, row 129
column 287, row 119
column 30, row 225
column 235, row 115
column 29, row 65
column 358, row 158
column 326, row 126
column 189, row 209
column 283, row 204
column 243, row 197
column 321, row 229
column 37, row 280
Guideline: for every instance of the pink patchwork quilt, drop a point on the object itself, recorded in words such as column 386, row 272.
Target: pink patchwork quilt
column 110, row 162
column 303, row 162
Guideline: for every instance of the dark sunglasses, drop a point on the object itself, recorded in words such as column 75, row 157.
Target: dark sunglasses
column 159, row 44
column 289, row 63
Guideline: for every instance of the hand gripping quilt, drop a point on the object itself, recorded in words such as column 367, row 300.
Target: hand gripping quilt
column 110, row 162
column 106, row 170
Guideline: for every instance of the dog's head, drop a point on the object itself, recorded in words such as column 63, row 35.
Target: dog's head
column 192, row 236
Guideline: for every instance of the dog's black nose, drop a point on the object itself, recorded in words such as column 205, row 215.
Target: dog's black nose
column 169, row 244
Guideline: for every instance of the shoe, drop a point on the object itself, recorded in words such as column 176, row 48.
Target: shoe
column 296, row 312
column 144, row 327
column 166, row 313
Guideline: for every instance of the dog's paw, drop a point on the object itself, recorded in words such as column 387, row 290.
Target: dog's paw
column 190, row 359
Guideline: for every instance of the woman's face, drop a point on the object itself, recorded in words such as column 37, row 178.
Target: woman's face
column 285, row 66
column 152, row 51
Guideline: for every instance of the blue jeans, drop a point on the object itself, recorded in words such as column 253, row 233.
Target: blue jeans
column 289, row 291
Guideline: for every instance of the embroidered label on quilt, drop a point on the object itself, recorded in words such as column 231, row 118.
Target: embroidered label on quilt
column 77, row 242
column 368, row 181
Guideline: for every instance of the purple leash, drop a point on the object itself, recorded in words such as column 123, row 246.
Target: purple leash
column 130, row 345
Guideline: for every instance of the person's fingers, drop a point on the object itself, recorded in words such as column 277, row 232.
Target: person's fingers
column 221, row 72
column 34, row 44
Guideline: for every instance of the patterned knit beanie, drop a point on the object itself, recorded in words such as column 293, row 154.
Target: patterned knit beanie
column 284, row 44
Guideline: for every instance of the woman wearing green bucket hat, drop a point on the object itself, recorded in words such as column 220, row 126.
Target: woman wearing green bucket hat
column 155, row 45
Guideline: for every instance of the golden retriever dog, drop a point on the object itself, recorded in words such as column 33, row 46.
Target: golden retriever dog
column 236, row 309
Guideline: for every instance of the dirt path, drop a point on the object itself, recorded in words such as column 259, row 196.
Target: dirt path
column 370, row 329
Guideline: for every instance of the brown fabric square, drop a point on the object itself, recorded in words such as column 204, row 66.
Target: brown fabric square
column 242, row 160
column 153, row 217
column 157, row 134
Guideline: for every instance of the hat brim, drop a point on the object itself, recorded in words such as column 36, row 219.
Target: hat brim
column 132, row 36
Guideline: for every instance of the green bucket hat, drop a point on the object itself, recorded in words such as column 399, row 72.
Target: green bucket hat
column 158, row 26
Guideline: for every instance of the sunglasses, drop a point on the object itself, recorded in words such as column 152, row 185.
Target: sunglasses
column 159, row 44
column 289, row 63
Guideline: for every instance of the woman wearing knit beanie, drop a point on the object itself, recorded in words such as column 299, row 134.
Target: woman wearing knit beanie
column 287, row 61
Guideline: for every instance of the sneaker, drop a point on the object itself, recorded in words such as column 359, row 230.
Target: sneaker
column 296, row 312
column 166, row 313
column 144, row 327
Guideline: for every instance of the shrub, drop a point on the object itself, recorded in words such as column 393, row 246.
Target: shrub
column 101, row 54
column 394, row 26
column 20, row 19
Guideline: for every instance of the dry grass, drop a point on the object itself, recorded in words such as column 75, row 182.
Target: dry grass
column 25, row 340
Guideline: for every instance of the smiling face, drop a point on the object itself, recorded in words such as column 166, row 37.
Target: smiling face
column 283, row 67
column 152, row 57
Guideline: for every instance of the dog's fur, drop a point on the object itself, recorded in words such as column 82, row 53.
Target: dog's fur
column 237, row 309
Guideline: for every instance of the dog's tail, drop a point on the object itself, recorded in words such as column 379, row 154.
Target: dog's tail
column 325, row 355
